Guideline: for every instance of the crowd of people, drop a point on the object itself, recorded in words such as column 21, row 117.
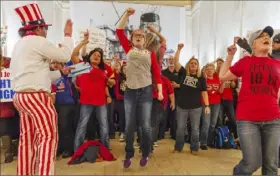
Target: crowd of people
column 138, row 96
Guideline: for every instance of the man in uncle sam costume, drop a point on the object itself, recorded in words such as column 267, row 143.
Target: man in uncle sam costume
column 31, row 81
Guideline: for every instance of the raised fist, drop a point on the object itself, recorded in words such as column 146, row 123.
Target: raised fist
column 130, row 11
column 180, row 46
column 151, row 28
column 231, row 50
column 86, row 35
column 68, row 29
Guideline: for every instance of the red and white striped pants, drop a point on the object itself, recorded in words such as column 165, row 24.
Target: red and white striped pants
column 38, row 133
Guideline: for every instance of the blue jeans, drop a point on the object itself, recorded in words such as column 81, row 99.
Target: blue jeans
column 163, row 124
column 209, row 122
column 182, row 117
column 228, row 107
column 157, row 115
column 110, row 116
column 85, row 114
column 138, row 104
column 260, row 147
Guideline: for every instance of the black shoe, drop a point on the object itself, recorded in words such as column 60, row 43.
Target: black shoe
column 58, row 154
column 66, row 154
column 204, row 147
column 9, row 158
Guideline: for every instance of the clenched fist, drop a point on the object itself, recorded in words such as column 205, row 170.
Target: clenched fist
column 68, row 29
column 130, row 11
column 231, row 50
column 180, row 46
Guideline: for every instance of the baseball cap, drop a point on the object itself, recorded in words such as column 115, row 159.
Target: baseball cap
column 255, row 35
column 276, row 38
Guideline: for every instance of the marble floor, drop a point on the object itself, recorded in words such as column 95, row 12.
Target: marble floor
column 162, row 162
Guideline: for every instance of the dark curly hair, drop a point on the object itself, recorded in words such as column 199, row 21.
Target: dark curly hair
column 101, row 64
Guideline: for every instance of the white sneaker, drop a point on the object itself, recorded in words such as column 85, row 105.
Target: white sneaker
column 122, row 137
column 155, row 144
column 136, row 145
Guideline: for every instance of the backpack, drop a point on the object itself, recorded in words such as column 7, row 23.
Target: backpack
column 223, row 138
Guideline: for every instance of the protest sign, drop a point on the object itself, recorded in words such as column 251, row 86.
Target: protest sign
column 79, row 69
column 6, row 93
column 97, row 39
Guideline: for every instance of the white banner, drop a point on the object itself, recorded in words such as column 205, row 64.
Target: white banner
column 97, row 39
column 6, row 93
column 79, row 69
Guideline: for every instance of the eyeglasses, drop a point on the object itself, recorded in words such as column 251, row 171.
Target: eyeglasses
column 138, row 35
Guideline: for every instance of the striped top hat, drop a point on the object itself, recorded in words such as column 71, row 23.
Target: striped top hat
column 30, row 16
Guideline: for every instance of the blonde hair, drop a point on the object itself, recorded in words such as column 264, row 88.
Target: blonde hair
column 210, row 65
column 187, row 67
column 152, row 44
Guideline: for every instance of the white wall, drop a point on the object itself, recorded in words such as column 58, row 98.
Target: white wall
column 13, row 22
column 103, row 13
column 51, row 12
column 172, row 18
column 206, row 30
column 215, row 23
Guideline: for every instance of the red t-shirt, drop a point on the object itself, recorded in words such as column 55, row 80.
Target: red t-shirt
column 167, row 90
column 227, row 92
column 92, row 86
column 257, row 99
column 213, row 87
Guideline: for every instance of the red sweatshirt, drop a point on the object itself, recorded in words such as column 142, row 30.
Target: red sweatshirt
column 92, row 86
column 7, row 109
column 167, row 90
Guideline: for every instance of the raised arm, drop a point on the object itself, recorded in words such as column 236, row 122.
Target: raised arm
column 125, row 17
column 120, row 30
column 75, row 54
column 84, row 51
column 161, row 37
column 177, row 56
column 62, row 54
column 242, row 43
column 225, row 74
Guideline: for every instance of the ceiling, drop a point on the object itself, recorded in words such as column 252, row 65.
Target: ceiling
column 168, row 3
